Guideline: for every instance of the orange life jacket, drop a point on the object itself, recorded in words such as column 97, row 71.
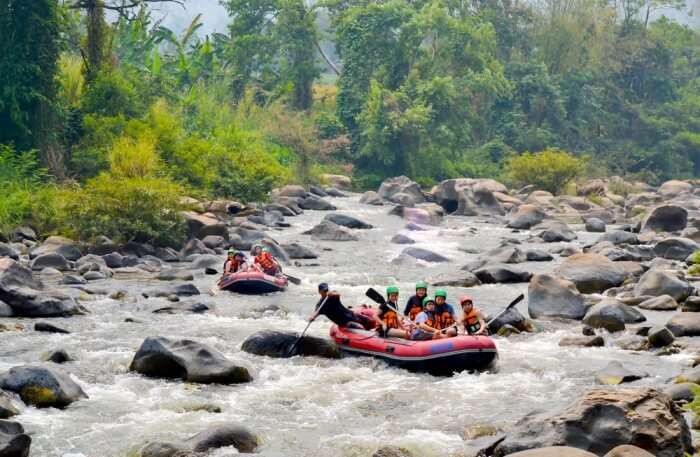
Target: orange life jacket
column 444, row 319
column 234, row 265
column 431, row 321
column 471, row 321
column 414, row 311
column 265, row 260
column 391, row 319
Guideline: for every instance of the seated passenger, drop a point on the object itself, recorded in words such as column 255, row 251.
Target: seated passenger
column 426, row 322
column 414, row 305
column 392, row 322
column 330, row 306
column 235, row 262
column 445, row 314
column 473, row 322
column 265, row 262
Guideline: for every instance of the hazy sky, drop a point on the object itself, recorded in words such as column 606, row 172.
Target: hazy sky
column 215, row 18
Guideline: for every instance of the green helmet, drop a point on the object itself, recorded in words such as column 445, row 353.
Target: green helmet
column 441, row 293
column 231, row 251
column 427, row 300
column 392, row 290
column 421, row 285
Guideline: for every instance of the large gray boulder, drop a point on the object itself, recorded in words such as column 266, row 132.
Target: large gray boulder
column 615, row 373
column 603, row 419
column 292, row 190
column 684, row 324
column 51, row 260
column 617, row 237
column 469, row 197
column 595, row 225
column 657, row 282
column 13, row 441
column 526, row 217
column 313, row 202
column 554, row 232
column 279, row 345
column 401, row 185
column 549, row 296
column 660, row 303
column 665, row 218
column 330, row 231
column 676, row 248
column 500, row 273
column 591, row 272
column 347, row 221
column 57, row 245
column 674, row 188
column 27, row 297
column 220, row 436
column 506, row 254
column 371, row 198
column 612, row 315
column 41, row 386
column 8, row 406
column 161, row 357
column 553, row 451
column 424, row 254
column 297, row 251
column 8, row 251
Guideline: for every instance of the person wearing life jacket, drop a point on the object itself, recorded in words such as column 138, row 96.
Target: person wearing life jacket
column 329, row 305
column 264, row 261
column 445, row 314
column 472, row 322
column 235, row 262
column 392, row 322
column 414, row 305
column 426, row 323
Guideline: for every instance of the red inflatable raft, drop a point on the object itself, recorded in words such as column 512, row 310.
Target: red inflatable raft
column 442, row 357
column 253, row 283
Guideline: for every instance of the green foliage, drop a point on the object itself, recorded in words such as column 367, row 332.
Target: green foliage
column 549, row 170
column 695, row 258
column 113, row 93
column 20, row 177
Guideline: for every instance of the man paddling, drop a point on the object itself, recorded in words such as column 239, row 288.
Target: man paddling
column 329, row 305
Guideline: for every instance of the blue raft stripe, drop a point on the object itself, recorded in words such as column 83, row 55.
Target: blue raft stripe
column 442, row 347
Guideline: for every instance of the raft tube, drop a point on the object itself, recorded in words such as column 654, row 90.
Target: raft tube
column 442, row 357
column 253, row 283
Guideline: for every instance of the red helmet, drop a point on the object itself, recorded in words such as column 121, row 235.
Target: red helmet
column 465, row 298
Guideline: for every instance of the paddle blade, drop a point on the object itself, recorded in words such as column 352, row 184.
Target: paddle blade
column 375, row 296
column 517, row 300
column 292, row 279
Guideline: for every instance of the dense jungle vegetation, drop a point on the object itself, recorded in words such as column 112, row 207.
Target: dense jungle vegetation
column 107, row 118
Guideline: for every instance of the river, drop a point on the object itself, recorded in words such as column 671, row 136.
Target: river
column 307, row 406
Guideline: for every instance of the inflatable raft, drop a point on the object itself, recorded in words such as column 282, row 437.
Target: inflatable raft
column 253, row 283
column 442, row 357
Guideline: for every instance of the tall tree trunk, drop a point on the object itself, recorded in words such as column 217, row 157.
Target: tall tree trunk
column 95, row 37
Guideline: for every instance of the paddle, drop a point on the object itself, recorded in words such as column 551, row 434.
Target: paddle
column 379, row 298
column 517, row 300
column 290, row 352
column 292, row 279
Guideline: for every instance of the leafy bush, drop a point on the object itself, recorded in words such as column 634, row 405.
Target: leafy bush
column 20, row 178
column 143, row 209
column 695, row 258
column 71, row 79
column 113, row 94
column 549, row 170
column 134, row 158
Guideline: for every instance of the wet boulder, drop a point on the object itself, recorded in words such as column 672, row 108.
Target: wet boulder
column 330, row 231
column 585, row 341
column 214, row 241
column 193, row 247
column 500, row 273
column 292, row 190
column 464, row 280
column 676, row 248
column 660, row 336
column 13, row 441
column 319, row 192
column 8, row 406
column 595, row 225
column 27, row 297
column 538, row 255
column 342, row 182
column 392, row 451
column 549, row 296
column 513, row 318
column 219, row 436
column 526, row 217
column 49, row 328
column 203, row 225
column 347, row 221
column 425, row 214
column 160, row 357
column 506, row 254
column 23, row 233
column 555, row 232
column 50, row 260
column 591, row 272
column 657, row 282
column 683, row 392
column 195, row 307
column 617, row 237
column 297, row 251
column 58, row 356
column 313, row 202
column 684, row 324
column 42, row 387
column 57, row 245
column 410, row 191
column 272, row 343
column 660, row 303
column 402, row 239
column 612, row 315
column 665, row 218
column 8, row 251
column 603, row 419
column 615, row 373
column 425, row 255
column 200, row 262
column 553, row 451
column 627, row 450
column 371, row 198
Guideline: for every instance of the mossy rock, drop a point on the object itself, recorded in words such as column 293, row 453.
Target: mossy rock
column 38, row 396
column 694, row 270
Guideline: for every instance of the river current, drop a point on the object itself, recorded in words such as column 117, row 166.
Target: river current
column 306, row 406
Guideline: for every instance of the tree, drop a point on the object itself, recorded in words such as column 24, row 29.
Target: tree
column 273, row 46
column 29, row 49
column 550, row 169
